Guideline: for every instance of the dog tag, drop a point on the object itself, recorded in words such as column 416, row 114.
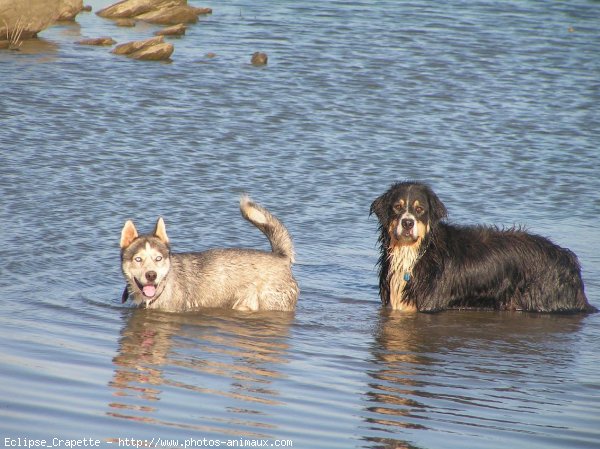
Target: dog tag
column 407, row 276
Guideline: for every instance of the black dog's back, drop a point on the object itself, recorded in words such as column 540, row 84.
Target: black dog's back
column 483, row 267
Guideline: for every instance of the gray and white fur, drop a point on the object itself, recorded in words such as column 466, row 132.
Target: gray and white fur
column 235, row 278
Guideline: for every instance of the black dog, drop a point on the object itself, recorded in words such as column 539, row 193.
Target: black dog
column 429, row 265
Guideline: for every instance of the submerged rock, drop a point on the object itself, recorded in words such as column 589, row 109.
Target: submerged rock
column 175, row 30
column 259, row 58
column 159, row 52
column 97, row 41
column 153, row 49
column 163, row 12
column 130, row 47
column 127, row 23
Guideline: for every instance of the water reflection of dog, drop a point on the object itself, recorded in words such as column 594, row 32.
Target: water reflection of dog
column 159, row 351
column 460, row 367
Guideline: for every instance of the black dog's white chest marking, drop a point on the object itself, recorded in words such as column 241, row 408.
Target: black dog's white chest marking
column 402, row 261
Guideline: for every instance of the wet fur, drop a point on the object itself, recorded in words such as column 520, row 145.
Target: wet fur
column 243, row 279
column 462, row 267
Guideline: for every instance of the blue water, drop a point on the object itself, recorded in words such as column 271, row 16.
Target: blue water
column 495, row 104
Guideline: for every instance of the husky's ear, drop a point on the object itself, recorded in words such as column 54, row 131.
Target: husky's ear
column 128, row 234
column 160, row 230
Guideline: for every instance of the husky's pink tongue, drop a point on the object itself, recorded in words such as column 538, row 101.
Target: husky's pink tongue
column 149, row 290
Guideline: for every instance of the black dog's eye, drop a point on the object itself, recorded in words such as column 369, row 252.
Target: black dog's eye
column 398, row 207
column 419, row 210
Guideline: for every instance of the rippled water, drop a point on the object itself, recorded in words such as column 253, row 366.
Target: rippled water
column 493, row 103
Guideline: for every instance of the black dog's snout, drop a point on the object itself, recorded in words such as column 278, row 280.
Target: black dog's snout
column 407, row 223
column 151, row 276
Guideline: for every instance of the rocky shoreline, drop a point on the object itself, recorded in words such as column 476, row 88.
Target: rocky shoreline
column 160, row 12
column 24, row 19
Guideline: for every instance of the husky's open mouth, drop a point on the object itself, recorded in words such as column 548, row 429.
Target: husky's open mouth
column 148, row 290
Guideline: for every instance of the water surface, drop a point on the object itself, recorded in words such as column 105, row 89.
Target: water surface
column 493, row 103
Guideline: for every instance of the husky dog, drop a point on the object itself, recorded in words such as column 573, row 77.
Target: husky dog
column 235, row 278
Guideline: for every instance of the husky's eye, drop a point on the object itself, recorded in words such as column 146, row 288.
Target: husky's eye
column 158, row 258
column 138, row 259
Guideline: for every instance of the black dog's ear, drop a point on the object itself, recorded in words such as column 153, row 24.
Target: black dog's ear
column 437, row 210
column 378, row 206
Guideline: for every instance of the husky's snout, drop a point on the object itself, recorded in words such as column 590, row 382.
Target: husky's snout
column 149, row 288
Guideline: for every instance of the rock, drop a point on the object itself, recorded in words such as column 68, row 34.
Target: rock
column 130, row 47
column 69, row 9
column 153, row 49
column 131, row 8
column 87, row 8
column 163, row 12
column 24, row 20
column 175, row 30
column 259, row 58
column 97, row 41
column 202, row 11
column 125, row 23
column 160, row 52
column 170, row 16
column 21, row 20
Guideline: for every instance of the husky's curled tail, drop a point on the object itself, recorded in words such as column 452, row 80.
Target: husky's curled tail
column 279, row 237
